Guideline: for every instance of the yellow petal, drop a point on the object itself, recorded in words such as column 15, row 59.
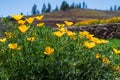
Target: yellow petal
column 31, row 39
column 40, row 24
column 30, row 20
column 21, row 22
column 68, row 23
column 39, row 17
column 3, row 40
column 104, row 41
column 17, row 17
column 89, row 44
column 70, row 33
column 60, row 25
column 98, row 55
column 116, row 51
column 23, row 28
column 62, row 29
column 9, row 34
column 105, row 60
column 58, row 33
column 48, row 50
column 12, row 45
column 95, row 40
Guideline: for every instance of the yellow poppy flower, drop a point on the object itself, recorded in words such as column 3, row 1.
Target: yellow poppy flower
column 17, row 17
column 116, row 68
column 83, row 34
column 30, row 20
column 13, row 45
column 48, row 50
column 39, row 17
column 8, row 34
column 23, row 28
column 105, row 60
column 103, row 41
column 31, row 39
column 40, row 24
column 21, row 22
column 70, row 33
column 89, row 36
column 62, row 29
column 59, row 33
column 89, row 44
column 86, row 32
column 95, row 40
column 3, row 40
column 116, row 51
column 68, row 23
column 60, row 25
column 98, row 55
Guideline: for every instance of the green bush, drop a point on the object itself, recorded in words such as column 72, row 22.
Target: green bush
column 70, row 60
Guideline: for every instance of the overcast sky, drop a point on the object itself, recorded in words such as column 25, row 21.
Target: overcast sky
column 8, row 7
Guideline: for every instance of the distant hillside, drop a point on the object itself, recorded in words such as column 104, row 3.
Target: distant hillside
column 80, row 14
column 76, row 15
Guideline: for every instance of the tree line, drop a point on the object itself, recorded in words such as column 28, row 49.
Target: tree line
column 115, row 8
column 65, row 6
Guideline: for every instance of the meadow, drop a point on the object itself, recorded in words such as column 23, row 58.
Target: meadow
column 37, row 52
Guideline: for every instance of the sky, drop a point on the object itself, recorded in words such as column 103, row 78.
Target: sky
column 9, row 7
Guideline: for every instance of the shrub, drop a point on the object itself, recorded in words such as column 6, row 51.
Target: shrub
column 38, row 53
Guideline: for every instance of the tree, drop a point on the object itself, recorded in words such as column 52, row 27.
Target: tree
column 72, row 6
column 49, row 8
column 118, row 8
column 56, row 9
column 21, row 13
column 111, row 8
column 34, row 9
column 43, row 8
column 84, row 5
column 76, row 6
column 79, row 5
column 115, row 8
column 64, row 6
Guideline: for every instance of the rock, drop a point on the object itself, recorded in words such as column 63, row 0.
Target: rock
column 101, row 31
column 117, row 35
